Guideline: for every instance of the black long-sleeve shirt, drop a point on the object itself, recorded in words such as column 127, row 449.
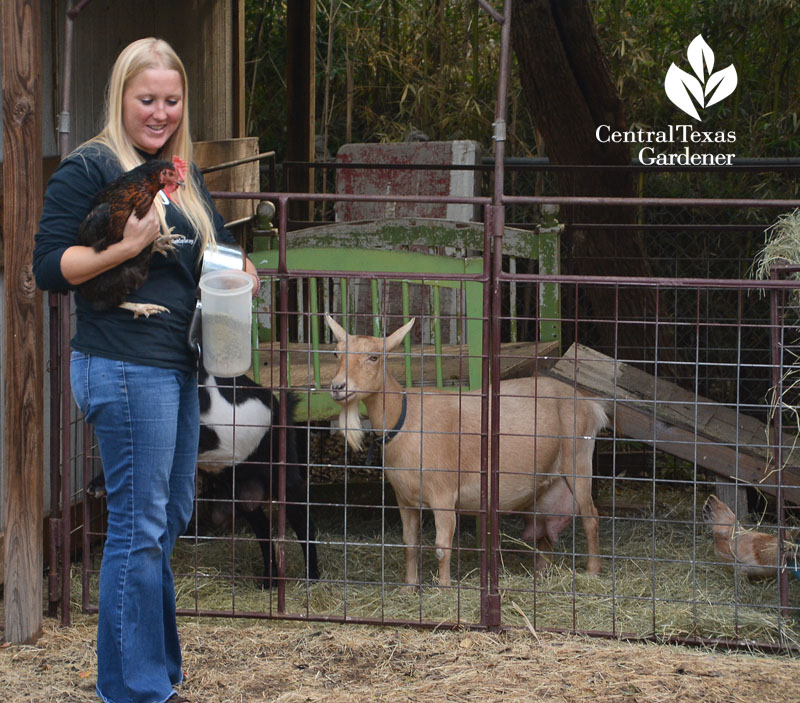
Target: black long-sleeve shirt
column 158, row 340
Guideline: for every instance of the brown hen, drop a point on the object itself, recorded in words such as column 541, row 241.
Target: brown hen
column 133, row 191
column 752, row 553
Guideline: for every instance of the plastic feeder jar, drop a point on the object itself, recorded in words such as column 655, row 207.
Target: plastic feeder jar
column 227, row 305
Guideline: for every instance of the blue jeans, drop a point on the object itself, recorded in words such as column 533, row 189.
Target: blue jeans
column 147, row 424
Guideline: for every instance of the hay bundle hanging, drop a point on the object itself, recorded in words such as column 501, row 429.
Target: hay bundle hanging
column 781, row 247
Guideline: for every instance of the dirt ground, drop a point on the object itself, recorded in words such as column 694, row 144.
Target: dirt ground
column 242, row 661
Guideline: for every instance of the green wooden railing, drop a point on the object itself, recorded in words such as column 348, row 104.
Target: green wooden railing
column 384, row 247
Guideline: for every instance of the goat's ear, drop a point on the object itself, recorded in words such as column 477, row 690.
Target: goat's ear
column 336, row 328
column 398, row 335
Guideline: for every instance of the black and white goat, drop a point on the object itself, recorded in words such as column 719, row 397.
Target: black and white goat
column 237, row 452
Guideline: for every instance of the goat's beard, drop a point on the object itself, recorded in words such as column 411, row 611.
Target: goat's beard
column 350, row 425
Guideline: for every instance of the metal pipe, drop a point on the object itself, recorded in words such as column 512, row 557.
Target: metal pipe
column 283, row 322
column 237, row 162
column 60, row 305
column 667, row 227
column 706, row 283
column 494, row 397
column 332, row 197
column 728, row 643
column 64, row 126
column 56, row 523
column 501, row 107
column 542, row 163
column 86, row 513
column 715, row 283
column 782, row 204
column 79, row 7
column 495, row 255
column 359, row 165
column 776, row 348
column 486, row 617
column 643, row 202
column 66, row 453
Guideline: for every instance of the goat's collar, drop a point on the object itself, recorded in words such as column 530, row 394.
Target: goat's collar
column 391, row 434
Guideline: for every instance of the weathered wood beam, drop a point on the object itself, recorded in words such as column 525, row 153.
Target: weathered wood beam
column 733, row 496
column 711, row 435
column 24, row 368
column 238, row 43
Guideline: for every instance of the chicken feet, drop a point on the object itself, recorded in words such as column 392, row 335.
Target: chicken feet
column 145, row 309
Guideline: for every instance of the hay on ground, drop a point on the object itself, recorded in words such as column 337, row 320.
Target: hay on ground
column 659, row 577
column 238, row 661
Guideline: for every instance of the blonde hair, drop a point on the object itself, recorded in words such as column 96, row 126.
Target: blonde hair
column 135, row 58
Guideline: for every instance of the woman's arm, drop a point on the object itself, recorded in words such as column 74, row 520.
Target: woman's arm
column 80, row 263
column 67, row 201
column 250, row 268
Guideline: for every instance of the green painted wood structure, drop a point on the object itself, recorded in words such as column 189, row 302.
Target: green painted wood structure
column 406, row 247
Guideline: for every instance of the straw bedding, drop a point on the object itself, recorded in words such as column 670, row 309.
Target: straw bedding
column 661, row 582
column 659, row 578
column 236, row 661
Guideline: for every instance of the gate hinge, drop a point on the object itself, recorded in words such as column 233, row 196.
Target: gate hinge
column 499, row 130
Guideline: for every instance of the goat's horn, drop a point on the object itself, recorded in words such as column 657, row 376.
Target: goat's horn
column 336, row 328
column 398, row 335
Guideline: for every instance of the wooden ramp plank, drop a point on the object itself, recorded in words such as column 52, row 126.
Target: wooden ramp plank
column 679, row 422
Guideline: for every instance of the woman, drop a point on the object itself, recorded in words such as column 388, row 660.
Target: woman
column 135, row 379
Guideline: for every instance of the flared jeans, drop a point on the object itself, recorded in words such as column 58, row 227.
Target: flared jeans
column 147, row 424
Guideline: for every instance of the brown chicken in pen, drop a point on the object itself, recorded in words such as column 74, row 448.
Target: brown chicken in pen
column 752, row 553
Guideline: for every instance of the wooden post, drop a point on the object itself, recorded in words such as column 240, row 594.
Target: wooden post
column 301, row 29
column 24, row 367
column 733, row 496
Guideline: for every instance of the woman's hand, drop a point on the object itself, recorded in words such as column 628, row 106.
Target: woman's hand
column 80, row 263
column 139, row 234
column 249, row 267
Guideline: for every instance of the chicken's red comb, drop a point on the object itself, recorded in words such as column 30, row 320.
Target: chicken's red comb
column 181, row 167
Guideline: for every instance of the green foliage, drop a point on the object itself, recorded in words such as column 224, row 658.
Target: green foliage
column 432, row 65
column 643, row 37
column 265, row 54
column 426, row 65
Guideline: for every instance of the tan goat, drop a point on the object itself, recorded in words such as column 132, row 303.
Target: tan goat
column 432, row 450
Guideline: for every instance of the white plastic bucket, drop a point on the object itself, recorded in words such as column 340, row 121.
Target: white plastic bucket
column 227, row 304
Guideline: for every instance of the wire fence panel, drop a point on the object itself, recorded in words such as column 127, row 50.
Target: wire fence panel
column 633, row 475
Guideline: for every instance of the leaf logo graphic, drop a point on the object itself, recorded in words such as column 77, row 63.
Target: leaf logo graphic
column 705, row 87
